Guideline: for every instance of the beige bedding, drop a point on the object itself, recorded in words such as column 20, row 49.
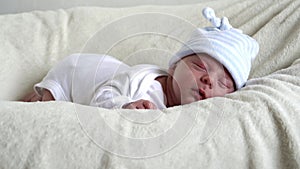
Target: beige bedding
column 256, row 127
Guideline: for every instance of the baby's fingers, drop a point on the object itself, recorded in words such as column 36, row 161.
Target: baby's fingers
column 31, row 97
column 140, row 104
column 148, row 105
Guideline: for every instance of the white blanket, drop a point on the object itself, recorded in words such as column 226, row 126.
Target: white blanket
column 256, row 127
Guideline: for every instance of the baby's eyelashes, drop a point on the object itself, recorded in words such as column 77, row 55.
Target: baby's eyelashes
column 225, row 83
column 199, row 67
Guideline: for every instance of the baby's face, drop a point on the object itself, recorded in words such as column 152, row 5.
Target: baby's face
column 197, row 77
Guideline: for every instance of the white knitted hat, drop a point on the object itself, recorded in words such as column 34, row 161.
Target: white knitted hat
column 227, row 45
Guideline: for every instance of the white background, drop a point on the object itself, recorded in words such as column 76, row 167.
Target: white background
column 17, row 6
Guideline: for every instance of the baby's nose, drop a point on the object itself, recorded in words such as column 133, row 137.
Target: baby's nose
column 206, row 80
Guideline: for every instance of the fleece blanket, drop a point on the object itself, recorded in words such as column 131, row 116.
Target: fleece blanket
column 255, row 127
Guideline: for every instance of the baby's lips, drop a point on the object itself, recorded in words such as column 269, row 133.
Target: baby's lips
column 197, row 94
column 202, row 93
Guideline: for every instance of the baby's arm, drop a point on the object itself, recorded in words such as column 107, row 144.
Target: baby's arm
column 140, row 104
column 117, row 93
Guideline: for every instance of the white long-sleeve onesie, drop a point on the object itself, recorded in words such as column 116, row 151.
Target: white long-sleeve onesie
column 103, row 81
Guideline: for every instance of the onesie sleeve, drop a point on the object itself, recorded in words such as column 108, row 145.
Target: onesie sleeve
column 114, row 93
column 59, row 79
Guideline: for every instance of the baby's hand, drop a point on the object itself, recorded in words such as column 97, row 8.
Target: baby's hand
column 34, row 97
column 140, row 104
column 31, row 97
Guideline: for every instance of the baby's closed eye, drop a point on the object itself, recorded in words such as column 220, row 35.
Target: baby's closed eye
column 199, row 67
column 225, row 83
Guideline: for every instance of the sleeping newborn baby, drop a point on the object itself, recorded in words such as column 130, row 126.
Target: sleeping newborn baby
column 215, row 61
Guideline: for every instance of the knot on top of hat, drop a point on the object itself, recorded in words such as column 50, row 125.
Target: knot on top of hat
column 221, row 24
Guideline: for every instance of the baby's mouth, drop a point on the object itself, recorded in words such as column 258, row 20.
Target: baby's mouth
column 202, row 94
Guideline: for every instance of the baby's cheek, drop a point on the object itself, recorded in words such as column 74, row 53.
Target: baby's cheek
column 183, row 76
